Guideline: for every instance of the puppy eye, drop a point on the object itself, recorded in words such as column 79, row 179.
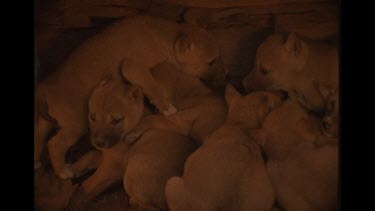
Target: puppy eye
column 116, row 120
column 264, row 71
column 92, row 117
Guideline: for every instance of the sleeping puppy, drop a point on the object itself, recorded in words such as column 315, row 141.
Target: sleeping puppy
column 302, row 162
column 157, row 156
column 61, row 99
column 201, row 110
column 307, row 70
column 227, row 172
column 144, row 166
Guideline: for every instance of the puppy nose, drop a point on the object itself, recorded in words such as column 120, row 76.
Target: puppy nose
column 100, row 143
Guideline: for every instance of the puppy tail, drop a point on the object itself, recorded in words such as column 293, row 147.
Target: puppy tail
column 176, row 194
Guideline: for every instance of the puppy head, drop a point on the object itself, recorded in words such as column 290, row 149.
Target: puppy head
column 114, row 109
column 199, row 55
column 250, row 110
column 277, row 64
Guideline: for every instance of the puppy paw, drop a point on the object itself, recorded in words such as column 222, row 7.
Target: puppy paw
column 37, row 165
column 133, row 136
column 169, row 110
column 66, row 173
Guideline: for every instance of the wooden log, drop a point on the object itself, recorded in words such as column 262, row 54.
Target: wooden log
column 238, row 3
column 315, row 21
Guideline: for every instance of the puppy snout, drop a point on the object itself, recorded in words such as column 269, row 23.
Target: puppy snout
column 100, row 143
column 103, row 142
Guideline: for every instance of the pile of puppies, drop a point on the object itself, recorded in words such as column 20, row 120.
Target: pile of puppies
column 201, row 150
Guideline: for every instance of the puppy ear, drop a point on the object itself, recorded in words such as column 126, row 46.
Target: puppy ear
column 184, row 43
column 293, row 44
column 258, row 135
column 230, row 93
column 135, row 93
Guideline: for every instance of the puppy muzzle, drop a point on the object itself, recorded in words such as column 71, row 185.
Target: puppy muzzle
column 104, row 142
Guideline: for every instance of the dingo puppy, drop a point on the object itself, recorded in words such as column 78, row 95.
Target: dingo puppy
column 62, row 97
column 302, row 163
column 144, row 166
column 306, row 69
column 201, row 111
column 227, row 172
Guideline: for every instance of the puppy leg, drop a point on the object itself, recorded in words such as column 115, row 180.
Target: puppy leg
column 89, row 161
column 140, row 75
column 57, row 148
column 176, row 195
column 107, row 174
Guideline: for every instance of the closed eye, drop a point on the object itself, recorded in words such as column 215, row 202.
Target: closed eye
column 116, row 120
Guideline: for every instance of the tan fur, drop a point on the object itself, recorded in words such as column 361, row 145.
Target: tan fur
column 147, row 164
column 110, row 167
column 147, row 40
column 156, row 157
column 290, row 125
column 307, row 179
column 114, row 110
column 200, row 110
column 330, row 121
column 51, row 193
column 302, row 163
column 298, row 66
column 227, row 172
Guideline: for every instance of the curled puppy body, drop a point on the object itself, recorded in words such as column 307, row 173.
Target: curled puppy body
column 157, row 156
column 144, row 166
column 302, row 162
column 61, row 98
column 227, row 175
column 305, row 69
column 114, row 109
column 307, row 179
column 201, row 111
column 227, row 172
